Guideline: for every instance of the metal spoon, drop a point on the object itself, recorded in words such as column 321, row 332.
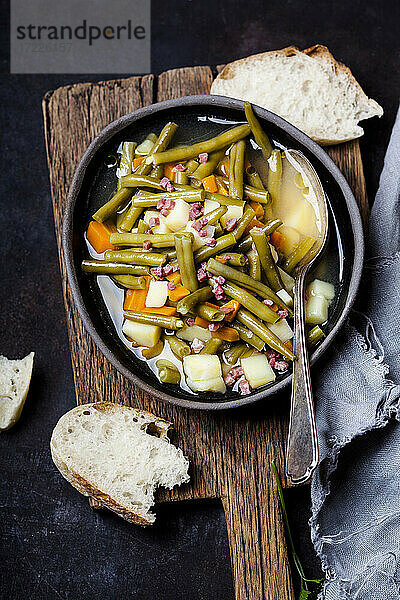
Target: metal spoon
column 302, row 451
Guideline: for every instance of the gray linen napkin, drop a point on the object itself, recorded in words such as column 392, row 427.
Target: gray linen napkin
column 355, row 523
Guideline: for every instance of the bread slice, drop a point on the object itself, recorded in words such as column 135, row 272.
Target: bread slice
column 308, row 88
column 118, row 455
column 15, row 377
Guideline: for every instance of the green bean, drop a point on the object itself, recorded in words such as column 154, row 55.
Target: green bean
column 233, row 354
column 235, row 259
column 147, row 145
column 205, row 169
column 212, row 346
column 150, row 259
column 224, row 200
column 154, row 319
column 248, row 336
column 248, row 301
column 130, row 282
column 158, row 240
column 184, row 253
column 218, row 230
column 170, row 254
column 164, row 140
column 181, row 177
column 154, row 350
column 191, row 166
column 298, row 253
column 147, row 200
column 254, row 265
column 102, row 267
column 214, row 216
column 275, row 175
column 213, row 266
column 243, row 223
column 178, row 347
column 225, row 241
column 270, row 227
column 314, row 336
column 157, row 172
column 209, row 313
column 131, row 215
column 125, row 163
column 135, row 180
column 232, row 159
column 259, row 134
column 267, row 262
column 121, row 215
column 252, row 193
column 168, row 375
column 211, row 145
column 188, row 302
column 257, row 327
column 107, row 210
column 237, row 191
column 253, row 179
column 142, row 226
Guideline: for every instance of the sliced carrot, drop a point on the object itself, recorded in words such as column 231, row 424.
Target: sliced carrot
column 175, row 277
column 230, row 309
column 98, row 235
column 211, row 305
column 254, row 223
column 168, row 170
column 274, row 307
column 228, row 334
column 201, row 322
column 277, row 239
column 258, row 209
column 210, row 184
column 222, row 189
column 178, row 293
column 136, row 299
column 138, row 161
column 167, row 311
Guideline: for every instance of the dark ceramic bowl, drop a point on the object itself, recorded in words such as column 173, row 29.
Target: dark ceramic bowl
column 94, row 182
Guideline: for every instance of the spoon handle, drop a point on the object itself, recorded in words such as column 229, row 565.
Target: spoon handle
column 302, row 451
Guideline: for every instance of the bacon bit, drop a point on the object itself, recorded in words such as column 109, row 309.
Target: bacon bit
column 161, row 203
column 171, row 285
column 215, row 326
column 190, row 322
column 203, row 157
column 175, row 268
column 178, row 168
column 197, row 225
column 170, row 187
column 229, row 380
column 272, row 354
column 164, row 182
column 230, row 224
column 167, row 269
column 221, row 280
column 201, row 275
column 210, row 241
column 164, row 212
column 244, row 387
column 218, row 292
column 267, row 302
column 226, row 257
column 203, row 233
column 281, row 365
column 146, row 245
column 197, row 345
column 169, row 204
column 194, row 213
column 154, row 221
column 237, row 372
column 283, row 313
column 158, row 272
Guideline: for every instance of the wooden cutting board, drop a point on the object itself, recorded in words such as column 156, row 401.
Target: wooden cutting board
column 230, row 452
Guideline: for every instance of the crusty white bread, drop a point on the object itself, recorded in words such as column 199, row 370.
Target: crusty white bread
column 308, row 88
column 15, row 377
column 118, row 455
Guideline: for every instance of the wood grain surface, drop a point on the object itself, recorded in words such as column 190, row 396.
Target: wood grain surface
column 230, row 452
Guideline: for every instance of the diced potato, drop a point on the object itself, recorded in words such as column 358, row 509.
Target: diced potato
column 157, row 294
column 198, row 241
column 257, row 370
column 210, row 205
column 316, row 310
column 189, row 333
column 285, row 297
column 282, row 329
column 233, row 212
column 141, row 333
column 321, row 288
column 287, row 280
column 162, row 227
column 203, row 373
column 179, row 215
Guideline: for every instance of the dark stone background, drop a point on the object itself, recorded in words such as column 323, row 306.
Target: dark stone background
column 52, row 545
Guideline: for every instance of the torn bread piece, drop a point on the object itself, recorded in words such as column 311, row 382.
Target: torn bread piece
column 15, row 377
column 118, row 455
column 308, row 88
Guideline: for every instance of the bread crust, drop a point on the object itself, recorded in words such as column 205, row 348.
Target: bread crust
column 86, row 487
